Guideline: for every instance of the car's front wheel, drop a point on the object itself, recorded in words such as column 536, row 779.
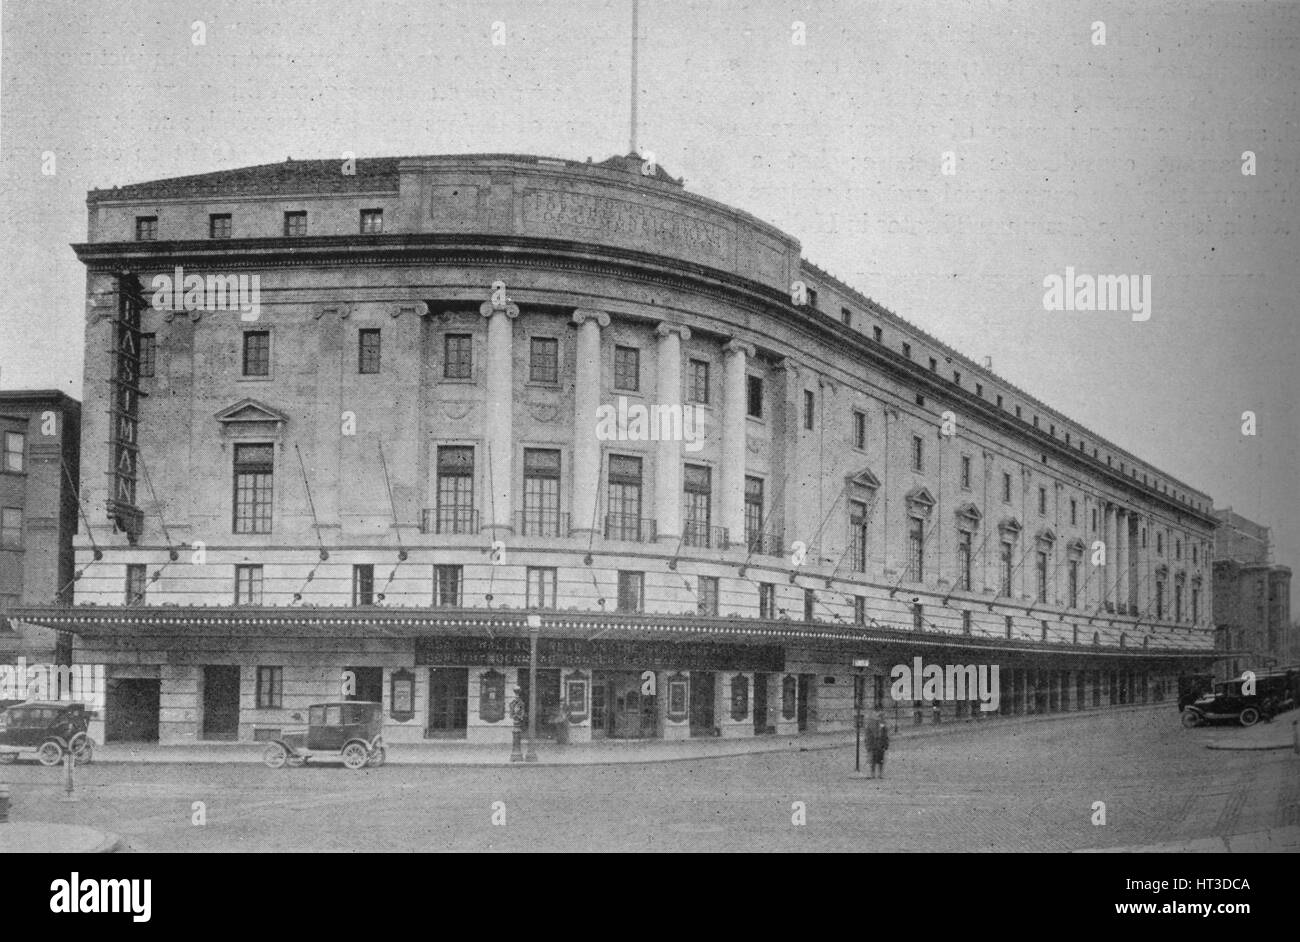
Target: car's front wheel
column 355, row 755
column 1249, row 716
column 50, row 753
column 1191, row 719
column 274, row 756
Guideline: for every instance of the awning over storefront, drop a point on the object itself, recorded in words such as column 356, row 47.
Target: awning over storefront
column 168, row 625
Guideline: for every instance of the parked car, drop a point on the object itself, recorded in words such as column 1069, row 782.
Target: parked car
column 50, row 727
column 1191, row 687
column 349, row 729
column 1274, row 692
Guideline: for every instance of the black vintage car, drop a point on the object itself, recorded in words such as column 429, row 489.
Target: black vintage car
column 1191, row 687
column 1274, row 692
column 349, row 729
column 50, row 727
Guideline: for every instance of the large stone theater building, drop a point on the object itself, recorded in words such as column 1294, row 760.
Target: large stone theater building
column 347, row 430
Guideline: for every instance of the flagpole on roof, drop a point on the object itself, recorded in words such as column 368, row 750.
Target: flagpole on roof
column 632, row 141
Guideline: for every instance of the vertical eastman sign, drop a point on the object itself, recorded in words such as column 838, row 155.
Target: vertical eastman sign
column 124, row 413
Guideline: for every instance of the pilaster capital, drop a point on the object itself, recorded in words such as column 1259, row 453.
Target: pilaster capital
column 583, row 315
column 665, row 329
column 739, row 346
column 788, row 366
column 418, row 308
column 342, row 310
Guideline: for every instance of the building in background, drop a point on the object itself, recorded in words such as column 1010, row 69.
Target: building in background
column 1252, row 598
column 371, row 429
column 40, row 432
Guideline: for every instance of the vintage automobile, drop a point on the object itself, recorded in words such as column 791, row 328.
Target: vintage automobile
column 50, row 727
column 1191, row 687
column 349, row 729
column 1274, row 692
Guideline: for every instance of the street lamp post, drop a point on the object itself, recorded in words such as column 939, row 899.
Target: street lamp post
column 534, row 627
column 860, row 664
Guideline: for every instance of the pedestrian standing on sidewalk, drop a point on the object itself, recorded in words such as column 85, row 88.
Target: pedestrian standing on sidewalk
column 877, row 742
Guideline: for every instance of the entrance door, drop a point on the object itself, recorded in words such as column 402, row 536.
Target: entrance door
column 600, row 713
column 221, row 701
column 760, row 704
column 448, row 702
column 701, row 703
column 548, row 699
column 131, row 710
column 805, row 686
column 369, row 684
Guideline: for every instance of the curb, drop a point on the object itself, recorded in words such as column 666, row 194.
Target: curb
column 1233, row 747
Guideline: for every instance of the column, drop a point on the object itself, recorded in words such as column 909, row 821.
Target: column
column 1067, row 690
column 732, row 493
column 668, row 457
column 1108, row 580
column 586, row 401
column 500, row 416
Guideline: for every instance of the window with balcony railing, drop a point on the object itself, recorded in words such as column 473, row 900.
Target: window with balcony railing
column 455, row 510
column 541, row 514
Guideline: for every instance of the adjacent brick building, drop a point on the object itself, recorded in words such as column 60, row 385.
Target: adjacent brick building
column 1252, row 597
column 351, row 432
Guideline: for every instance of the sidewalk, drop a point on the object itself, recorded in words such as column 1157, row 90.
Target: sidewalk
column 1279, row 733
column 39, row 837
column 607, row 752
column 1276, row 841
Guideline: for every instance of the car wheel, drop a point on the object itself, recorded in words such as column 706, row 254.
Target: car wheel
column 377, row 757
column 274, row 756
column 1249, row 716
column 1191, row 719
column 355, row 755
column 50, row 753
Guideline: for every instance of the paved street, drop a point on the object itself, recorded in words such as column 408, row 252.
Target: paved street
column 999, row 788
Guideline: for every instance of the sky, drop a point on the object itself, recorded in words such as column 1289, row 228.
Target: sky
column 1111, row 138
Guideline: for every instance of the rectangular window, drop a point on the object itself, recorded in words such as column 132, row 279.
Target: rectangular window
column 544, row 360
column 918, row 453
column 372, row 221
column 846, row 316
column 754, row 396
column 368, row 350
column 707, row 600
column 295, row 224
column 363, row 584
column 456, row 489
column 15, row 452
column 248, row 585
column 915, row 550
column 270, row 688
column 809, row 605
column 1011, row 625
column 1042, row 502
column 766, row 600
column 11, row 527
column 257, row 353
column 979, row 390
column 812, row 297
column 1006, row 487
column 877, row 334
column 918, row 617
column 964, row 559
column 859, row 609
column 447, row 583
column 458, row 356
column 697, row 381
column 965, row 471
column 965, row 622
column 542, row 492
column 627, row 368
column 254, row 481
column 754, row 514
column 1178, row 603
column 809, row 407
column 1094, row 520
column 1074, row 583
column 1196, row 605
column 631, row 591
column 1074, row 512
column 999, row 402
column 219, row 226
column 1042, row 576
column 1006, row 567
column 956, row 377
column 934, row 365
column 858, row 535
column 541, row 587
column 860, row 431
column 146, row 228
column 135, row 583
column 1160, row 600
column 624, row 519
column 148, row 354
column 697, row 484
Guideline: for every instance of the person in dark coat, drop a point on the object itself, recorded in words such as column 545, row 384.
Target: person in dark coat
column 877, row 743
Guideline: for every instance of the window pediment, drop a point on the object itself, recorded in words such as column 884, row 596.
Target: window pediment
column 250, row 417
column 864, row 478
column 920, row 502
column 969, row 516
column 1010, row 528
